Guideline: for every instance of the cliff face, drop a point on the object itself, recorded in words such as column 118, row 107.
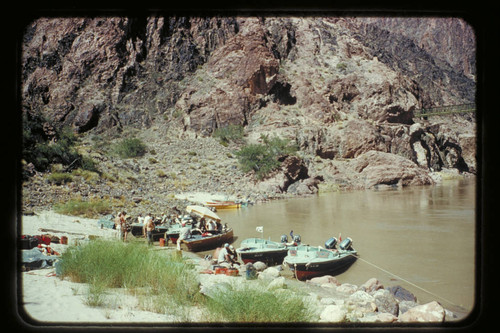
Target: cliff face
column 339, row 87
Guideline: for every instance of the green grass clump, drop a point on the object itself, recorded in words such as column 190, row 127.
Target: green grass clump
column 59, row 178
column 87, row 208
column 258, row 305
column 114, row 264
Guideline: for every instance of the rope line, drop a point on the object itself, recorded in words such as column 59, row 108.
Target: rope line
column 410, row 283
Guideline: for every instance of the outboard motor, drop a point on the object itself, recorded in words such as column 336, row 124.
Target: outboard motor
column 330, row 244
column 296, row 239
column 345, row 244
column 284, row 239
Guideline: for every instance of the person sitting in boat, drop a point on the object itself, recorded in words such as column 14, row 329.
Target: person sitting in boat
column 227, row 255
column 210, row 226
column 184, row 233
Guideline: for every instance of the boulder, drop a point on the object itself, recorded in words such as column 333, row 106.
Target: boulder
column 347, row 288
column 333, row 313
column 377, row 168
column 259, row 266
column 359, row 137
column 278, row 283
column 406, row 305
column 269, row 273
column 430, row 312
column 361, row 296
column 378, row 318
column 304, row 186
column 371, row 285
column 328, row 301
column 387, row 303
column 325, row 279
column 402, row 294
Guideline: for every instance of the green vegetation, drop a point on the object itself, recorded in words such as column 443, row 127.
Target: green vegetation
column 44, row 144
column 91, row 208
column 341, row 66
column 167, row 283
column 130, row 148
column 264, row 158
column 59, row 178
column 258, row 305
column 166, row 278
column 230, row 133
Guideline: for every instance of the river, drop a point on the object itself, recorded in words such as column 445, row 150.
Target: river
column 423, row 235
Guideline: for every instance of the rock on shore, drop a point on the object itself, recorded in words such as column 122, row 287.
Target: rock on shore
column 334, row 302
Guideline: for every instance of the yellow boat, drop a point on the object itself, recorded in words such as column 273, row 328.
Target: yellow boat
column 223, row 204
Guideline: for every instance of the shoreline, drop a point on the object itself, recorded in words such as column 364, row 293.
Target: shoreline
column 354, row 303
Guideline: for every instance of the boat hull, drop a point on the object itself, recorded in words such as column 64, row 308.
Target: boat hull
column 200, row 243
column 307, row 270
column 268, row 257
column 159, row 232
column 223, row 205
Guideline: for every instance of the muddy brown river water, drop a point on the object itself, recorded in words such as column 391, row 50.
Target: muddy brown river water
column 424, row 236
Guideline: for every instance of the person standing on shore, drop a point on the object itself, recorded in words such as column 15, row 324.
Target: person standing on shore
column 183, row 234
column 118, row 224
column 146, row 221
column 150, row 226
column 124, row 227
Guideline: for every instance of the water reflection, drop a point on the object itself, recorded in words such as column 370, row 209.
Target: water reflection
column 423, row 234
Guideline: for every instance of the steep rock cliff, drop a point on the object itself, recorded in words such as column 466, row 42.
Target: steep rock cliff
column 340, row 88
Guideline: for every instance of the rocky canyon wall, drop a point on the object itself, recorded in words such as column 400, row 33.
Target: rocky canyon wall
column 339, row 87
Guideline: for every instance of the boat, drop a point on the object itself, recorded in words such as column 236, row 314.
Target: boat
column 207, row 241
column 310, row 261
column 158, row 232
column 223, row 204
column 267, row 251
column 168, row 231
column 258, row 249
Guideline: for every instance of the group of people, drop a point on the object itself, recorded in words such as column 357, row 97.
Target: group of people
column 122, row 225
column 227, row 255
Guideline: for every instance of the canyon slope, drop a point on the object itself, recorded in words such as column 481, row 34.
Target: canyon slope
column 343, row 89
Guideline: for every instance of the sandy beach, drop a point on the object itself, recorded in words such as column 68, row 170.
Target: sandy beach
column 48, row 299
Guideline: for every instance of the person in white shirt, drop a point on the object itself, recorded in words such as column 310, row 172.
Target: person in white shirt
column 227, row 255
column 183, row 234
column 146, row 221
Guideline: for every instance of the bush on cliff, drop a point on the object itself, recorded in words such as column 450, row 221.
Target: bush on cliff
column 130, row 148
column 44, row 144
column 230, row 133
column 264, row 158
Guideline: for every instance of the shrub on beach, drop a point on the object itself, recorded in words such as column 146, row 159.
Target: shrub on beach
column 257, row 305
column 114, row 264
